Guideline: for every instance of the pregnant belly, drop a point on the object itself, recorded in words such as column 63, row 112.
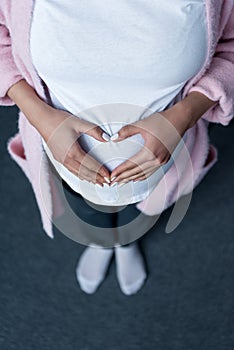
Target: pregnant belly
column 111, row 153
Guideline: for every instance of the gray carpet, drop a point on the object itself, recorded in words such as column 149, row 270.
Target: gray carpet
column 186, row 303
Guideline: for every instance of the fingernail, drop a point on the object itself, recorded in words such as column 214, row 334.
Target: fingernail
column 99, row 185
column 107, row 180
column 112, row 179
column 105, row 137
column 114, row 137
column 114, row 183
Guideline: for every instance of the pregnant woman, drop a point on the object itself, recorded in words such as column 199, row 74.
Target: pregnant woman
column 113, row 114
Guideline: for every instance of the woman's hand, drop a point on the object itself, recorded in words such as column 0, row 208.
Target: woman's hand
column 60, row 130
column 161, row 132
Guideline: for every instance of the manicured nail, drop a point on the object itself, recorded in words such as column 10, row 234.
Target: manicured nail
column 105, row 137
column 112, row 179
column 114, row 137
column 107, row 180
column 121, row 184
column 99, row 185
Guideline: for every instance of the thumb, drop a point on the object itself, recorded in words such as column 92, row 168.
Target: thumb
column 126, row 131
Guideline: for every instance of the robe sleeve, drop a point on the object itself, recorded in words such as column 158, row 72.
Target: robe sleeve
column 9, row 74
column 217, row 83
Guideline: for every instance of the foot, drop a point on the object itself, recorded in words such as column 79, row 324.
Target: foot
column 130, row 268
column 92, row 267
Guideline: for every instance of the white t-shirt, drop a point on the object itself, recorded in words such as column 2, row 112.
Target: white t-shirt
column 113, row 63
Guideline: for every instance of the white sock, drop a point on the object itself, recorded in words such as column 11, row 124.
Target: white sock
column 130, row 268
column 92, row 267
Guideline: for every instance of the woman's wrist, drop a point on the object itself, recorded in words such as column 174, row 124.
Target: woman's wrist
column 27, row 100
column 196, row 104
column 185, row 113
column 193, row 106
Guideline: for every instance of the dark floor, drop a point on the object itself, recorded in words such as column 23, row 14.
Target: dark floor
column 187, row 302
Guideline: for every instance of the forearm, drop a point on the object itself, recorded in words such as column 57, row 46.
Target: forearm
column 189, row 110
column 27, row 100
column 196, row 104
